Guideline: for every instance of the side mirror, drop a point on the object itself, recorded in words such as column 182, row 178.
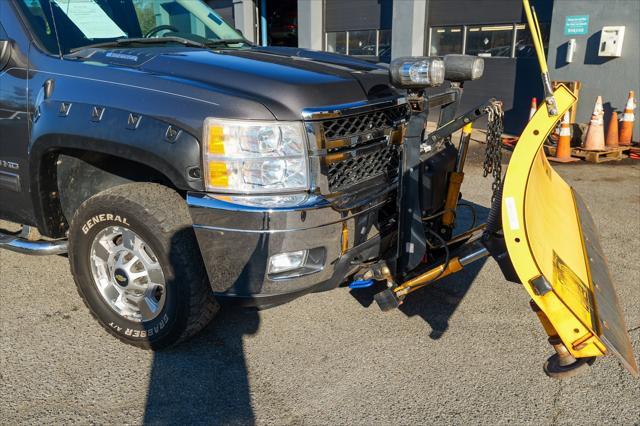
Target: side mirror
column 5, row 53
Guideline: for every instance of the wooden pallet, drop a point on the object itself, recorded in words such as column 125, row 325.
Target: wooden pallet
column 609, row 154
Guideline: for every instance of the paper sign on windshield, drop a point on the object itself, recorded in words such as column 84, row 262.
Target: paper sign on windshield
column 89, row 17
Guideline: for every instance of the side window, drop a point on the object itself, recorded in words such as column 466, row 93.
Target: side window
column 40, row 24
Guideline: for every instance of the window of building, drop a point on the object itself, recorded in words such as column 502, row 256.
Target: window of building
column 524, row 45
column 497, row 41
column 490, row 41
column 446, row 40
column 373, row 43
column 363, row 43
column 337, row 42
column 384, row 45
column 385, row 40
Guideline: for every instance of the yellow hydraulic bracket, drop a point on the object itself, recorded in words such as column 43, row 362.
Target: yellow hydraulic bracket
column 456, row 177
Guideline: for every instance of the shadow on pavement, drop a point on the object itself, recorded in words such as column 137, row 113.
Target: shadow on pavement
column 204, row 381
column 437, row 302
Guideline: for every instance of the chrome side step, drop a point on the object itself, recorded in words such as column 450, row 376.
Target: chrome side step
column 36, row 248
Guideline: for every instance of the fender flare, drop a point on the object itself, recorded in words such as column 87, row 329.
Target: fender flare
column 109, row 131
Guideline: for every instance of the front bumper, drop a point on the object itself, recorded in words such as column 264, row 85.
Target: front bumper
column 236, row 242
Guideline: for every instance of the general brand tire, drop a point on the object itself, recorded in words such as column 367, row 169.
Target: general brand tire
column 160, row 218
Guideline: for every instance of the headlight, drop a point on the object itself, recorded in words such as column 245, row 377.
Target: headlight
column 254, row 156
column 418, row 72
column 461, row 68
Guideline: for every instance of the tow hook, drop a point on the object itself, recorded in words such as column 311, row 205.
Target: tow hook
column 365, row 278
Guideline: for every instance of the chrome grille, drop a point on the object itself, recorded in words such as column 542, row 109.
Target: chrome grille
column 361, row 123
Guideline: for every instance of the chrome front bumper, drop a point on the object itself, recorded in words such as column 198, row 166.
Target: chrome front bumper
column 236, row 242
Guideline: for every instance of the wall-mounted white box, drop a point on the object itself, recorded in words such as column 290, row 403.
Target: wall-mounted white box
column 571, row 50
column 611, row 39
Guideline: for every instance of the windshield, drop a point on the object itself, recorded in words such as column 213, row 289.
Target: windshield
column 81, row 23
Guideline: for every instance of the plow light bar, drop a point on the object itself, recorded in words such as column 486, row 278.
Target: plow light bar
column 416, row 72
column 459, row 68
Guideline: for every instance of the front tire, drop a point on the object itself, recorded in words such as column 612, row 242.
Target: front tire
column 136, row 264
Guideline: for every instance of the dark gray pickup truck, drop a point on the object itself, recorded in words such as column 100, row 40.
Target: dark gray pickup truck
column 178, row 164
column 170, row 157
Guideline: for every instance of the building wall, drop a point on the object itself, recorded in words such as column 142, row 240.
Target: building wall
column 352, row 15
column 224, row 8
column 310, row 24
column 409, row 28
column 239, row 13
column 451, row 12
column 514, row 81
column 612, row 78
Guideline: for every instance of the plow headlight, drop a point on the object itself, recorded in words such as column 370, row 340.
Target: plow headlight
column 461, row 68
column 418, row 72
column 247, row 157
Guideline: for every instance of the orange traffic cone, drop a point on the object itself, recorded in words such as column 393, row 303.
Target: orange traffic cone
column 626, row 129
column 594, row 140
column 533, row 108
column 612, row 131
column 563, row 149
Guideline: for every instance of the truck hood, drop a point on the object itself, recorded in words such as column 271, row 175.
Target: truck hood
column 284, row 80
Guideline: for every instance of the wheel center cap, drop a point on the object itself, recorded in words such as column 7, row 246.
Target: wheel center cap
column 121, row 277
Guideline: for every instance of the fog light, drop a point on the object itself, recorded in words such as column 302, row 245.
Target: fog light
column 287, row 261
column 296, row 263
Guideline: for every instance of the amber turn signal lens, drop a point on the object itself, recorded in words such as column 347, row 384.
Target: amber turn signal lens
column 216, row 140
column 218, row 175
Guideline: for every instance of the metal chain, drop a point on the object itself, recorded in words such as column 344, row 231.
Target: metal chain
column 493, row 153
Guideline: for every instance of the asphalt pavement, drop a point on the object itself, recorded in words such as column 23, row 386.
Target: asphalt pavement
column 467, row 351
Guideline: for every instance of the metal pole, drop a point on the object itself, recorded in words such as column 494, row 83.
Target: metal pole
column 464, row 39
column 514, row 40
column 347, row 41
column 263, row 23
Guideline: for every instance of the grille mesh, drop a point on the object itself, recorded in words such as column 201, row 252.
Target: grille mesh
column 353, row 125
column 372, row 162
column 359, row 169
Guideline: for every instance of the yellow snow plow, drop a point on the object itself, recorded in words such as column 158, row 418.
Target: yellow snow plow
column 553, row 245
column 538, row 230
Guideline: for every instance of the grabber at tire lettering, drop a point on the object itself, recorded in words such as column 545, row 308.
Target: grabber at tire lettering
column 136, row 264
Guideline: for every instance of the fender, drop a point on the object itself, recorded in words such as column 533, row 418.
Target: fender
column 60, row 126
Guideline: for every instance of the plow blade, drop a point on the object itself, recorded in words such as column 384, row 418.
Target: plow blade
column 553, row 245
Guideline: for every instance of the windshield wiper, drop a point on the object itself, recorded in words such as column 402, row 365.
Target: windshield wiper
column 142, row 40
column 225, row 42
